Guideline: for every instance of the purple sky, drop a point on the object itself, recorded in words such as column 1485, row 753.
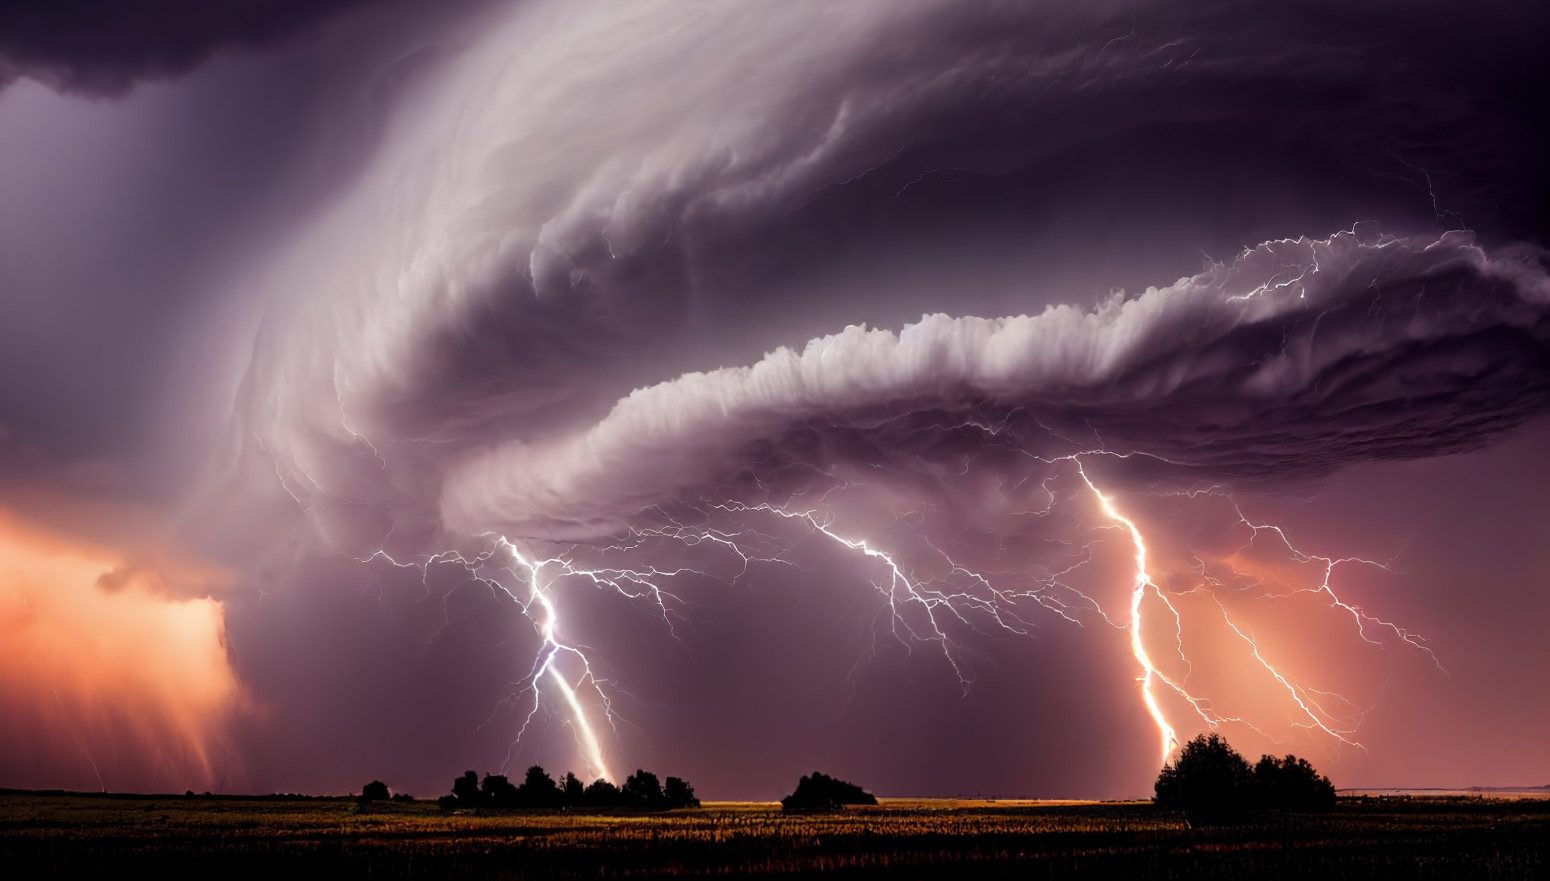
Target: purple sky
column 393, row 389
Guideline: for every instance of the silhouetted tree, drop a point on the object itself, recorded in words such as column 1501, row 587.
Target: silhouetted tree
column 1290, row 782
column 642, row 790
column 1208, row 776
column 466, row 790
column 498, row 791
column 573, row 788
column 679, row 794
column 376, row 790
column 820, row 792
column 600, row 793
column 538, row 790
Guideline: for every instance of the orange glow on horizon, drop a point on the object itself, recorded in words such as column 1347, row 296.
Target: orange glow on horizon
column 113, row 674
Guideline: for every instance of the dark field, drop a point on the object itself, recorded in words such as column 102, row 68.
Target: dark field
column 47, row 836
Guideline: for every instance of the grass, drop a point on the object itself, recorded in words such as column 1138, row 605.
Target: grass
column 65, row 835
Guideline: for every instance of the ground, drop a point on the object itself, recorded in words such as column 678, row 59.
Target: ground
column 64, row 835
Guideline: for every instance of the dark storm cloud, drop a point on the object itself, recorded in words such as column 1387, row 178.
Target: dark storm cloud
column 104, row 47
column 1298, row 358
column 124, row 222
column 789, row 175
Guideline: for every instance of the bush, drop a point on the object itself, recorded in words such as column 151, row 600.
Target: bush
column 1291, row 782
column 376, row 790
column 820, row 792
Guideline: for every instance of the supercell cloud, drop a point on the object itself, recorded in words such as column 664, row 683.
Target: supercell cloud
column 1028, row 316
column 1297, row 358
column 496, row 319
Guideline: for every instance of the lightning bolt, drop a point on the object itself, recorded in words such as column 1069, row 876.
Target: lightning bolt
column 1143, row 582
column 547, row 620
column 1308, row 700
column 561, row 666
column 929, row 596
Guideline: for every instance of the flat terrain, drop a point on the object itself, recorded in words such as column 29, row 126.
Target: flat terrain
column 49, row 836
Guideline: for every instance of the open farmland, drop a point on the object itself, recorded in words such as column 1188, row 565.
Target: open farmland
column 65, row 835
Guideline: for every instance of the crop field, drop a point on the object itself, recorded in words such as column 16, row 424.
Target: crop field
column 67, row 835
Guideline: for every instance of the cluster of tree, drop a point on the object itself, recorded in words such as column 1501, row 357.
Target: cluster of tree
column 539, row 790
column 1209, row 776
column 820, row 792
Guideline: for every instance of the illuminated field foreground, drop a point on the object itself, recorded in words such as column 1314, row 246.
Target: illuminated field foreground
column 116, row 670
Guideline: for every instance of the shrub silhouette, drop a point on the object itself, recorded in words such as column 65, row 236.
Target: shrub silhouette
column 679, row 794
column 1209, row 777
column 465, row 790
column 820, row 792
column 600, row 794
column 539, row 790
column 1290, row 782
column 642, row 790
column 376, row 790
column 498, row 791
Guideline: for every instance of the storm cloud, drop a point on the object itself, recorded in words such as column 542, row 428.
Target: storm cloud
column 103, row 48
column 1297, row 359
column 578, row 241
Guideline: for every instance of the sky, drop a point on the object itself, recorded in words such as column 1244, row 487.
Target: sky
column 960, row 398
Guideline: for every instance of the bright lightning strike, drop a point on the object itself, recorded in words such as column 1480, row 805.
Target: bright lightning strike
column 1143, row 581
column 553, row 648
column 930, row 596
column 509, row 568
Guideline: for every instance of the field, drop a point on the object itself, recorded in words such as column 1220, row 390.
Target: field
column 63, row 835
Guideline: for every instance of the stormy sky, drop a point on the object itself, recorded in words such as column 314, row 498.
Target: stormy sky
column 960, row 398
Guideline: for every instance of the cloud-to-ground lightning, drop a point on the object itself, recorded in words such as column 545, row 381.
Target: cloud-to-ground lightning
column 931, row 598
column 1138, row 591
column 528, row 580
column 552, row 650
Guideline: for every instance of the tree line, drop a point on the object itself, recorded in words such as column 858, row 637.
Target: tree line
column 1209, row 776
column 641, row 790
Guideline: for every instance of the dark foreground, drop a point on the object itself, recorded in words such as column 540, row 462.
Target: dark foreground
column 48, row 836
